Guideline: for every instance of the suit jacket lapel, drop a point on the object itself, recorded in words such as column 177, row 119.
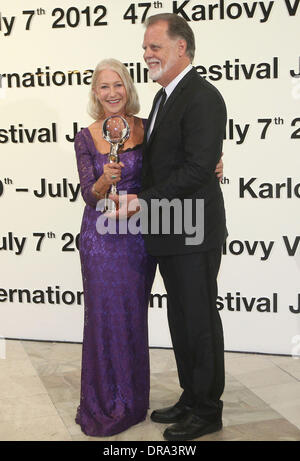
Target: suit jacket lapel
column 169, row 101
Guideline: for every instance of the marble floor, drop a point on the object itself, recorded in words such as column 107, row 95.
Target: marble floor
column 40, row 384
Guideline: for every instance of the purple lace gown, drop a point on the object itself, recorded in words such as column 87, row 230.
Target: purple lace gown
column 117, row 279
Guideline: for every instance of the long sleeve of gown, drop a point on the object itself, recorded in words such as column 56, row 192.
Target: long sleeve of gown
column 85, row 169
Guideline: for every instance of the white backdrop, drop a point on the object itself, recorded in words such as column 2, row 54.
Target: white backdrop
column 249, row 50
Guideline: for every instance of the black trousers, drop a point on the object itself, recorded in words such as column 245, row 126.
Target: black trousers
column 196, row 329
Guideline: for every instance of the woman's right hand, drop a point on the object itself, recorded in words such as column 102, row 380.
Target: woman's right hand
column 112, row 172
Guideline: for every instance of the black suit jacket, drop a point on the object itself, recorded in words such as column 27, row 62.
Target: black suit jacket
column 179, row 160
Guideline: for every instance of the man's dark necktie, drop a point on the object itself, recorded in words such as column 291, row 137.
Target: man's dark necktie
column 161, row 105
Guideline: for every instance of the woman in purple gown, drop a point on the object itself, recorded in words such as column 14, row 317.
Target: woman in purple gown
column 117, row 273
column 116, row 270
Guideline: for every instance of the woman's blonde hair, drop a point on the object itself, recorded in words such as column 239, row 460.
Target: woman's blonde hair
column 95, row 108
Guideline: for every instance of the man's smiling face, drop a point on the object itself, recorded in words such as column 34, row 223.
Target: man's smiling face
column 161, row 53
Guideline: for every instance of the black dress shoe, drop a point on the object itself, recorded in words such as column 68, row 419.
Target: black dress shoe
column 191, row 428
column 170, row 415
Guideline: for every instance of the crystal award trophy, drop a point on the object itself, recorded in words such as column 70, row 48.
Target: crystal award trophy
column 116, row 131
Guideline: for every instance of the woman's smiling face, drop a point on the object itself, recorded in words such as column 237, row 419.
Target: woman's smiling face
column 111, row 92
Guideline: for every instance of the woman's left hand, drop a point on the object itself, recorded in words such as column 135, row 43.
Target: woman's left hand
column 219, row 169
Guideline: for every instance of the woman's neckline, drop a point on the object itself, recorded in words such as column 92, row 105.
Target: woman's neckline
column 136, row 146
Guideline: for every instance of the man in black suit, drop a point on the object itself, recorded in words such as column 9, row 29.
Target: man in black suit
column 183, row 142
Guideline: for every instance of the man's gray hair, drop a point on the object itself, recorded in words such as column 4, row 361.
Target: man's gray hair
column 177, row 28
